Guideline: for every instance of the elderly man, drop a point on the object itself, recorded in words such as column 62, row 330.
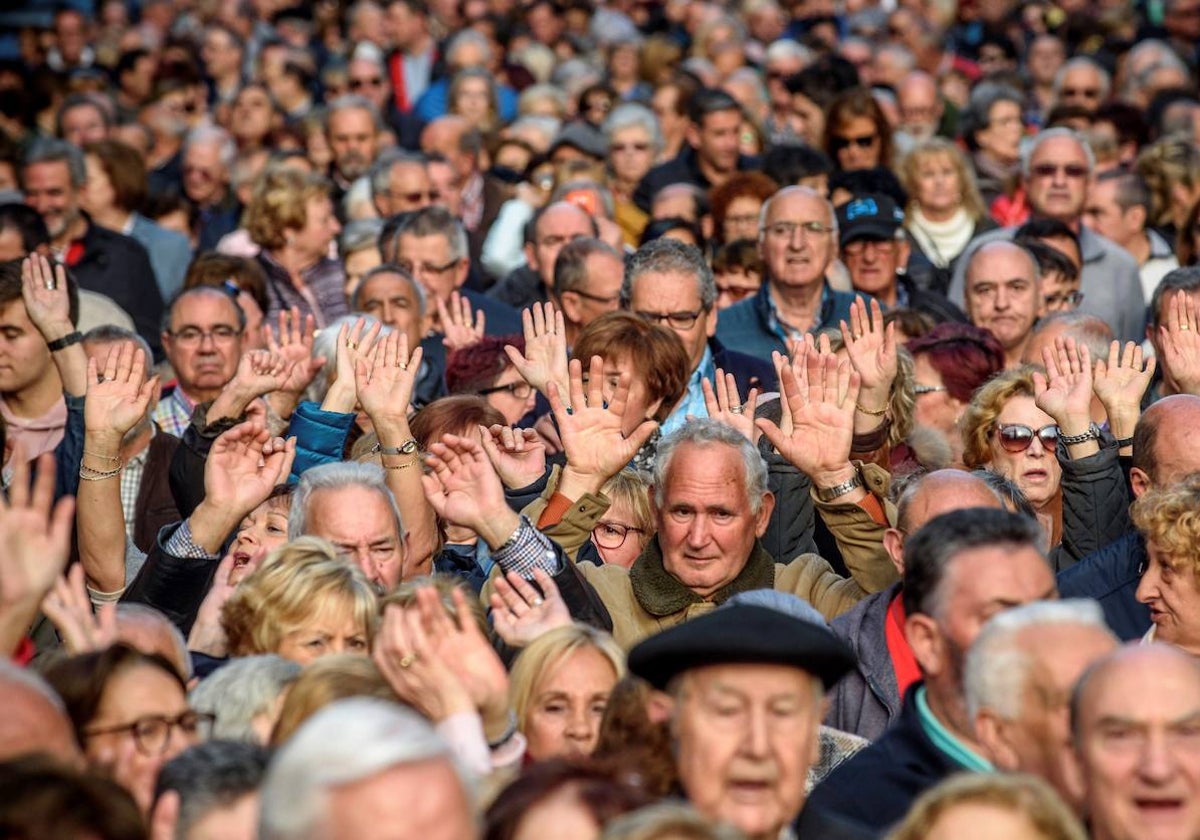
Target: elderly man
column 671, row 284
column 1081, row 81
column 211, row 790
column 868, row 699
column 1056, row 166
column 920, row 106
column 84, row 118
column 547, row 231
column 1019, row 677
column 1133, row 718
column 391, row 295
column 798, row 241
column 400, row 183
column 1180, row 287
column 1118, row 207
column 1004, row 295
column 711, row 506
column 747, row 769
column 352, row 129
column 203, row 340
column 34, row 719
column 960, row 569
column 587, row 283
column 208, row 157
column 875, row 251
column 360, row 769
column 101, row 260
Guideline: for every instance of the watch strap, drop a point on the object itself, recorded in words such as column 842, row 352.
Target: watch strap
column 828, row 494
column 64, row 342
column 409, row 447
column 1092, row 433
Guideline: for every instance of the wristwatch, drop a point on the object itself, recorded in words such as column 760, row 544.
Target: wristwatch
column 64, row 342
column 828, row 494
column 1092, row 433
column 409, row 447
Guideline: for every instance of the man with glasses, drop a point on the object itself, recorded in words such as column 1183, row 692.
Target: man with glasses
column 203, row 343
column 1082, row 82
column 400, row 183
column 587, row 283
column 670, row 283
column 798, row 241
column 1057, row 165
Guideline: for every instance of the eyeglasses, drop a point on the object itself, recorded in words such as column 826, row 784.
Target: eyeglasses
column 630, row 147
column 1017, row 437
column 152, row 733
column 747, row 220
column 918, row 390
column 859, row 246
column 611, row 535
column 194, row 335
column 1089, row 93
column 426, row 268
column 1049, row 170
column 595, row 298
column 359, row 84
column 787, row 230
column 676, row 320
column 865, row 141
column 413, row 197
column 736, row 293
column 520, row 390
column 1064, row 299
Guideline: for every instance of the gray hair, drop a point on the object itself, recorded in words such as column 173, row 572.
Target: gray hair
column 766, row 207
column 390, row 268
column 216, row 136
column 786, row 48
column 570, row 269
column 325, row 345
column 998, row 667
column 708, row 432
column 536, row 92
column 468, row 37
column 1083, row 61
column 381, row 170
column 353, row 102
column 1028, row 150
column 1090, row 330
column 239, row 692
column 667, row 819
column 211, row 776
column 334, row 476
column 112, row 334
column 437, row 221
column 976, row 116
column 902, row 55
column 366, row 51
column 749, row 76
column 144, row 612
column 634, row 114
column 1185, row 279
column 358, row 235
column 52, row 150
column 1006, row 244
column 347, row 741
column 544, row 124
column 669, row 256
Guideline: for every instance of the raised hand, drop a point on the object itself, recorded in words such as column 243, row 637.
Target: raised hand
column 406, row 658
column 44, row 290
column 519, row 455
column 35, row 539
column 463, row 488
column 244, row 466
column 385, row 381
column 207, row 634
column 545, row 358
column 1179, row 340
column 594, row 434
column 294, row 342
column 725, row 405
column 70, row 611
column 118, row 395
column 821, row 407
column 873, row 352
column 354, row 341
column 1120, row 383
column 461, row 325
column 1065, row 391
column 520, row 614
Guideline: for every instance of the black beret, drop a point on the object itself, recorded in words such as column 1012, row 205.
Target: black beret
column 741, row 633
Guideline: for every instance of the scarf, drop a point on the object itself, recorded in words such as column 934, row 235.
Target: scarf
column 942, row 241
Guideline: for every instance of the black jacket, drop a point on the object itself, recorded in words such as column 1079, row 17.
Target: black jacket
column 877, row 786
column 118, row 267
column 1096, row 498
column 684, row 168
column 934, row 304
column 749, row 371
column 1110, row 576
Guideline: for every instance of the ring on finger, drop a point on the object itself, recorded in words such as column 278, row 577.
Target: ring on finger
column 407, row 660
column 736, row 409
column 536, row 602
column 353, row 345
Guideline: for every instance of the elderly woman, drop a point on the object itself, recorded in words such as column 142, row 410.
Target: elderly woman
column 473, row 97
column 944, row 213
column 1010, row 805
column 737, row 203
column 559, row 690
column 992, row 129
column 1169, row 519
column 130, row 714
column 628, row 524
column 1004, row 430
column 485, row 369
column 634, row 142
column 951, row 362
column 303, row 602
column 857, row 132
column 290, row 217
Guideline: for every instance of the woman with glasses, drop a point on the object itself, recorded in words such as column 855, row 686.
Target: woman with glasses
column 627, row 525
column 473, row 97
column 857, row 132
column 1005, row 431
column 992, row 128
column 737, row 204
column 485, row 369
column 130, row 714
column 634, row 142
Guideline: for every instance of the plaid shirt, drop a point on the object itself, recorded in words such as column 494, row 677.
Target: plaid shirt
column 131, row 484
column 173, row 414
column 528, row 549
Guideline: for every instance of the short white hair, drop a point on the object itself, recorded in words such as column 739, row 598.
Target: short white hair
column 1029, row 149
column 1091, row 64
column 997, row 666
column 346, row 742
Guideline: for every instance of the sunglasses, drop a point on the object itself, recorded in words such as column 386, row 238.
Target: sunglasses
column 1017, row 437
column 359, row 84
column 864, row 142
column 1085, row 92
column 1049, row 170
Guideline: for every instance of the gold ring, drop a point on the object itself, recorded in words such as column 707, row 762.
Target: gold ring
column 353, row 345
column 1184, row 327
column 407, row 660
column 402, row 365
column 536, row 602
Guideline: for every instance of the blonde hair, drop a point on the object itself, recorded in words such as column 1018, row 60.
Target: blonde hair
column 296, row 582
column 1016, row 793
column 280, row 203
column 980, row 416
column 1169, row 517
column 550, row 650
column 629, row 487
column 326, row 680
column 972, row 201
column 1169, row 162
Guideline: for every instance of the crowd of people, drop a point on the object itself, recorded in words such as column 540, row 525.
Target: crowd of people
column 512, row 419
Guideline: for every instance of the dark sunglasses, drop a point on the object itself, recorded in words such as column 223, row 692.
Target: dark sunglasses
column 1071, row 170
column 1017, row 437
column 864, row 142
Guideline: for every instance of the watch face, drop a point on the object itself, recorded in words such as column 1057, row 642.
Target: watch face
column 408, row 447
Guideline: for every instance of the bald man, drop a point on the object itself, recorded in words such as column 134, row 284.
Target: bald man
column 868, row 699
column 34, row 719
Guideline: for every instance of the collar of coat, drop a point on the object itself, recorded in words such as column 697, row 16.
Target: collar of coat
column 660, row 594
